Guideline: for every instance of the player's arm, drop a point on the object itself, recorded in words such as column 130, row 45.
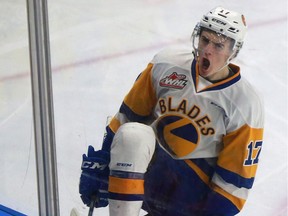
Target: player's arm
column 137, row 105
column 235, row 171
column 238, row 160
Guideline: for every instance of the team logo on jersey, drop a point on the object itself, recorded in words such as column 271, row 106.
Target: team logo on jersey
column 174, row 80
column 177, row 134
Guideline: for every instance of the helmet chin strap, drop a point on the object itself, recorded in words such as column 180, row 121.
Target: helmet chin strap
column 229, row 59
column 227, row 62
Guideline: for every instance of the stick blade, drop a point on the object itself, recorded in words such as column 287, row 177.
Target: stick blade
column 74, row 212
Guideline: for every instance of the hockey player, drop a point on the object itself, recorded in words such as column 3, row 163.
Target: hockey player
column 188, row 135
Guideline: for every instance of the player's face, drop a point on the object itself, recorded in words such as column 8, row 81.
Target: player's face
column 213, row 50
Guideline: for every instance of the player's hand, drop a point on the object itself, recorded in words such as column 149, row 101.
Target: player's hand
column 94, row 177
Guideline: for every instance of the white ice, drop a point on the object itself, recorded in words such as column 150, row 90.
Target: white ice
column 98, row 47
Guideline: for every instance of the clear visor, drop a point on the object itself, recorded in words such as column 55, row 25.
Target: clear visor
column 205, row 39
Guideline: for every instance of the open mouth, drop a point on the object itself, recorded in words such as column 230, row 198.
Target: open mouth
column 205, row 63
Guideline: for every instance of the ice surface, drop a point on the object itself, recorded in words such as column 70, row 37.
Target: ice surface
column 97, row 50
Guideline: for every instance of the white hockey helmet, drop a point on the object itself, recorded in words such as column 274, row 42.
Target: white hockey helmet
column 225, row 22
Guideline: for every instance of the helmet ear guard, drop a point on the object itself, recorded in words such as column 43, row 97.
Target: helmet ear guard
column 195, row 36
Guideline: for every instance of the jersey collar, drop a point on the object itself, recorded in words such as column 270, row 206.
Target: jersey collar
column 214, row 86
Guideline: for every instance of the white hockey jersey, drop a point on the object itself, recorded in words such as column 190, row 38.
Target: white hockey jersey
column 194, row 118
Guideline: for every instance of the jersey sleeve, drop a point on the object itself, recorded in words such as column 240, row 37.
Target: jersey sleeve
column 237, row 164
column 137, row 105
column 235, row 171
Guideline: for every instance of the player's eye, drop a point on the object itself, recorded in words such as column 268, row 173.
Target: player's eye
column 205, row 40
column 219, row 46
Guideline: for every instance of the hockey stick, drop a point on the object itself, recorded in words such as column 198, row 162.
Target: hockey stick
column 74, row 211
column 94, row 198
column 92, row 205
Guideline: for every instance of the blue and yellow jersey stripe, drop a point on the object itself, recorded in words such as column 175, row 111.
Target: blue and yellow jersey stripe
column 141, row 99
column 126, row 186
column 238, row 161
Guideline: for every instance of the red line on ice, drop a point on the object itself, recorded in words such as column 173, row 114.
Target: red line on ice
column 64, row 67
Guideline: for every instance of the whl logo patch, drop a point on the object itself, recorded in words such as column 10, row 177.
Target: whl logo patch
column 174, row 80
